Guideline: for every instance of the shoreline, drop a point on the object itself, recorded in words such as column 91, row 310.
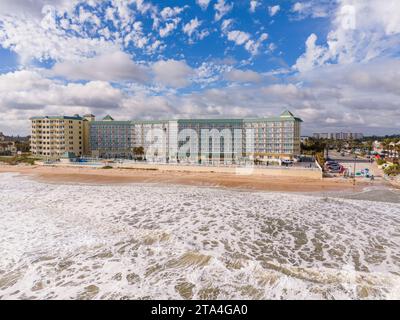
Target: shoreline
column 254, row 182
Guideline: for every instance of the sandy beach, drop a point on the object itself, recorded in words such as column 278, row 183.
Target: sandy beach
column 206, row 179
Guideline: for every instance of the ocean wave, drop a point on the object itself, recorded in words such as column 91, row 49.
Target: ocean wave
column 178, row 242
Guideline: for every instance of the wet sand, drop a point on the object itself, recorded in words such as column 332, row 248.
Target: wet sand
column 204, row 179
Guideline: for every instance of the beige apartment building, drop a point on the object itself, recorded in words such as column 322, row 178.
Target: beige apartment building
column 54, row 136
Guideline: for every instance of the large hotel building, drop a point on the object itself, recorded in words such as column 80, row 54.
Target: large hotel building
column 272, row 137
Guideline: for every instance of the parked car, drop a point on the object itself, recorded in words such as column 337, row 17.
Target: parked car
column 287, row 162
column 329, row 162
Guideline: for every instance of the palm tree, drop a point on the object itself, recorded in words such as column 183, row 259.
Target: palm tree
column 385, row 144
column 138, row 152
column 397, row 148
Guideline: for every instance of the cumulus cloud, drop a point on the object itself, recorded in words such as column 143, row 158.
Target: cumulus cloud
column 362, row 31
column 169, row 27
column 348, row 79
column 168, row 12
column 203, row 3
column 64, row 30
column 226, row 24
column 243, row 38
column 253, row 46
column 31, row 40
column 364, row 97
column 236, row 75
column 32, row 91
column 115, row 66
column 274, row 10
column 172, row 73
column 33, row 8
column 253, row 5
column 313, row 8
column 190, row 27
column 239, row 37
column 222, row 9
column 314, row 56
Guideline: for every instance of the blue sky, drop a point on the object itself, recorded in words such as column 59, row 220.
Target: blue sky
column 334, row 63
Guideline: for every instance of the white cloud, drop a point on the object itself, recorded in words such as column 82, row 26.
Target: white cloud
column 236, row 75
column 314, row 56
column 314, row 8
column 33, row 92
column 253, row 5
column 274, row 10
column 191, row 26
column 243, row 38
column 157, row 45
column 253, row 46
column 203, row 34
column 22, row 81
column 136, row 37
column 222, row 9
column 168, row 12
column 64, row 30
column 239, row 37
column 172, row 73
column 32, row 8
column 354, row 70
column 169, row 27
column 203, row 3
column 359, row 97
column 362, row 34
column 30, row 39
column 226, row 24
column 115, row 66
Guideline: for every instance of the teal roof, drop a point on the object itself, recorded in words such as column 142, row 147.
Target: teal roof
column 223, row 121
column 285, row 116
column 57, row 118
column 287, row 113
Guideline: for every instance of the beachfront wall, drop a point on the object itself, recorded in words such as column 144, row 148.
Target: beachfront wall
column 311, row 173
column 205, row 140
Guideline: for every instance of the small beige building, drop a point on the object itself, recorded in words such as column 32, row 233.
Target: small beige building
column 7, row 147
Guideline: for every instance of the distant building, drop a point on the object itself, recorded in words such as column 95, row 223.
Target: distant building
column 321, row 135
column 7, row 147
column 339, row 136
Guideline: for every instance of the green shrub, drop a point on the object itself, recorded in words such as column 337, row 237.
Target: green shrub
column 393, row 170
column 107, row 167
column 18, row 159
column 380, row 162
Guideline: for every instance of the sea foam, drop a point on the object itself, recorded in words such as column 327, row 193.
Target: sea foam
column 148, row 241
